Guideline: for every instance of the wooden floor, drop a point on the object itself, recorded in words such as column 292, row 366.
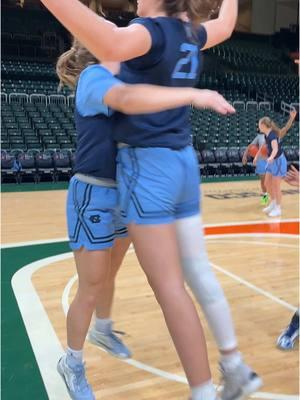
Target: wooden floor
column 259, row 274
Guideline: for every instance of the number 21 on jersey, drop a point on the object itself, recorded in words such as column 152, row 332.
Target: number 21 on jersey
column 191, row 57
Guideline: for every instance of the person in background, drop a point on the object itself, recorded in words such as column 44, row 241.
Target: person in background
column 276, row 168
column 289, row 336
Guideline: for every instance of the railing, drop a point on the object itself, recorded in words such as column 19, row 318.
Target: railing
column 3, row 97
column 57, row 99
column 18, row 98
column 239, row 105
column 287, row 108
column 39, row 98
column 264, row 105
column 251, row 105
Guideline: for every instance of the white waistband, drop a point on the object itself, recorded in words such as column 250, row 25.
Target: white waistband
column 92, row 180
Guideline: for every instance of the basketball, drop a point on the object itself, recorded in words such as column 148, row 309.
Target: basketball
column 206, row 87
column 264, row 151
column 253, row 149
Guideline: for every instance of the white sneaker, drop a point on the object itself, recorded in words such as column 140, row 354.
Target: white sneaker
column 275, row 212
column 75, row 380
column 239, row 382
column 270, row 207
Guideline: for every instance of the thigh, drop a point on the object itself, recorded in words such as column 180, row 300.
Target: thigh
column 157, row 251
column 93, row 267
column 268, row 180
column 118, row 253
column 189, row 200
column 148, row 185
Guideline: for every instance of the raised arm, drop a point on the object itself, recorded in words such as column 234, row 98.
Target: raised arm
column 142, row 99
column 102, row 38
column 220, row 29
column 286, row 128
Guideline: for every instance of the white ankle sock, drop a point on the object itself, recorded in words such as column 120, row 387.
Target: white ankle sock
column 103, row 325
column 74, row 356
column 206, row 391
column 231, row 361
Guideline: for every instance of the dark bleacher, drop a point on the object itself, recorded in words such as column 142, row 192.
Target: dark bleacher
column 38, row 126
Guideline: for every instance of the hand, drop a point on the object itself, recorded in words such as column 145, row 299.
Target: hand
column 203, row 98
column 292, row 176
column 270, row 160
column 255, row 161
column 293, row 114
column 245, row 159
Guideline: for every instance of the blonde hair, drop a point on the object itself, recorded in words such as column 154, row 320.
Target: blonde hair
column 71, row 63
column 270, row 124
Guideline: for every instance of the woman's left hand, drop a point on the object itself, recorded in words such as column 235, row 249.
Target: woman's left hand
column 270, row 160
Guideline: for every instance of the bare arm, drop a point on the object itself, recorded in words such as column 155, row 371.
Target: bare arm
column 220, row 29
column 100, row 37
column 245, row 155
column 288, row 125
column 274, row 144
column 141, row 99
column 257, row 156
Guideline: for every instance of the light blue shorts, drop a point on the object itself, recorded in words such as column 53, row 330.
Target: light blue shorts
column 92, row 216
column 261, row 166
column 157, row 185
column 278, row 167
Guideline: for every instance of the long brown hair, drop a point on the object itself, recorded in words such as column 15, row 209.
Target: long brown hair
column 71, row 63
column 196, row 10
column 270, row 124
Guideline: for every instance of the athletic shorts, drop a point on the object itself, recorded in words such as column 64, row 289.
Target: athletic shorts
column 261, row 166
column 93, row 217
column 278, row 167
column 157, row 185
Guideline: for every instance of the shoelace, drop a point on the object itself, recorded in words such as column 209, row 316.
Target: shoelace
column 229, row 381
column 116, row 338
column 119, row 332
column 81, row 381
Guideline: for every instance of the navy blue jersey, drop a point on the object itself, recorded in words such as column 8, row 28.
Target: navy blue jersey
column 174, row 60
column 269, row 138
column 96, row 149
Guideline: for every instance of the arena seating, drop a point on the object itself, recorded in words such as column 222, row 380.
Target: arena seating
column 38, row 125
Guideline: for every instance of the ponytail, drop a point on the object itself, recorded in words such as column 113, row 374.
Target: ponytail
column 196, row 10
column 269, row 123
column 71, row 63
column 199, row 10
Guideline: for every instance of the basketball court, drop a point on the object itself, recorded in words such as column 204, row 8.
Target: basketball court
column 254, row 257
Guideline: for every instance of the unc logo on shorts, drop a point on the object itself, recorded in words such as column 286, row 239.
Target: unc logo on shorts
column 95, row 219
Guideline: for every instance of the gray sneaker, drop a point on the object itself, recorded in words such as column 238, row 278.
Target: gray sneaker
column 75, row 380
column 110, row 343
column 239, row 383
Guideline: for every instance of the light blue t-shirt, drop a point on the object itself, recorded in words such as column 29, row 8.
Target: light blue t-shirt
column 96, row 149
column 93, row 84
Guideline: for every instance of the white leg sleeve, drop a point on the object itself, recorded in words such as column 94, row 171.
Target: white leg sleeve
column 201, row 279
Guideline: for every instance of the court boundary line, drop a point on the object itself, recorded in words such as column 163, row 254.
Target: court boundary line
column 66, row 239
column 290, row 246
column 178, row 378
column 40, row 330
column 45, row 344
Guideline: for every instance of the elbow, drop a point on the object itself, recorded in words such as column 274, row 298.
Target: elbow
column 125, row 101
column 227, row 28
column 227, row 32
